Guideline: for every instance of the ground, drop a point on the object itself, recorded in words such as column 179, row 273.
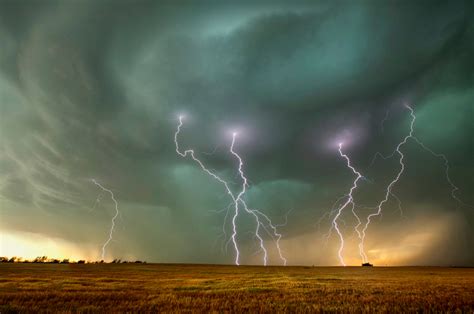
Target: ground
column 208, row 288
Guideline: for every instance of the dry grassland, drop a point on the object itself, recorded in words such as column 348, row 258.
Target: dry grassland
column 143, row 288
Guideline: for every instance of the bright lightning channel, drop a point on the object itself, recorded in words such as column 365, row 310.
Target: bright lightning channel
column 190, row 152
column 237, row 200
column 112, row 227
column 349, row 202
column 388, row 192
column 256, row 213
column 454, row 188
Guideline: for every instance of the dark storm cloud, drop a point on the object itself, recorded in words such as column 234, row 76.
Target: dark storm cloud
column 93, row 89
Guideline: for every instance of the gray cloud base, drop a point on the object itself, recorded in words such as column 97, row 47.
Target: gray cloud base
column 92, row 90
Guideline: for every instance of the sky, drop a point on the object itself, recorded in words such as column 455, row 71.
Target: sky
column 93, row 90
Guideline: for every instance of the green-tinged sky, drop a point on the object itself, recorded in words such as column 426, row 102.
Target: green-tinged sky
column 93, row 90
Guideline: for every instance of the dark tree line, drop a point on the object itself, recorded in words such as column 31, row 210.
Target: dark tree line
column 47, row 260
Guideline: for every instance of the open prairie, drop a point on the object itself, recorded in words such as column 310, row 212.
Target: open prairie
column 209, row 288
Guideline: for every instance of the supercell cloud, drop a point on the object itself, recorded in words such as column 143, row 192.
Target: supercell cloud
column 93, row 89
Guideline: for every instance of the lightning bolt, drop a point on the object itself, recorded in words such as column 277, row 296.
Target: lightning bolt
column 111, row 231
column 224, row 243
column 388, row 192
column 190, row 153
column 454, row 188
column 443, row 157
column 349, row 202
column 256, row 213
column 238, row 201
column 273, row 233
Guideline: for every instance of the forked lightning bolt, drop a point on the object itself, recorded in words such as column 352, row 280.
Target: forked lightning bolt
column 349, row 202
column 104, row 246
column 190, row 152
column 256, row 213
column 237, row 201
column 454, row 188
column 388, row 192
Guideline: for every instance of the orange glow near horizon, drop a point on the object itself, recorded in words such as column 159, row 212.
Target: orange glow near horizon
column 390, row 247
column 31, row 245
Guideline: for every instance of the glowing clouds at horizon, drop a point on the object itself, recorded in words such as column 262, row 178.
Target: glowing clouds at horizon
column 422, row 242
column 31, row 245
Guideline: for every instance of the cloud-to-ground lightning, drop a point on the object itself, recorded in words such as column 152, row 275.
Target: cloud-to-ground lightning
column 238, row 201
column 256, row 213
column 112, row 227
column 443, row 157
column 349, row 202
column 190, row 152
column 388, row 191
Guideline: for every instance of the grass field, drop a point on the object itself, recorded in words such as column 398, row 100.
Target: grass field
column 177, row 288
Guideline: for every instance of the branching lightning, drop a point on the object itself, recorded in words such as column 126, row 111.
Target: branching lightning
column 454, row 188
column 190, row 152
column 388, row 191
column 349, row 202
column 112, row 227
column 238, row 201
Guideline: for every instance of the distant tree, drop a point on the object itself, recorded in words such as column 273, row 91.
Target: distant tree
column 81, row 261
column 40, row 259
column 65, row 261
column 54, row 261
column 3, row 259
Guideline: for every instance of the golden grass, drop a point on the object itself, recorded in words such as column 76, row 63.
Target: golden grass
column 113, row 288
